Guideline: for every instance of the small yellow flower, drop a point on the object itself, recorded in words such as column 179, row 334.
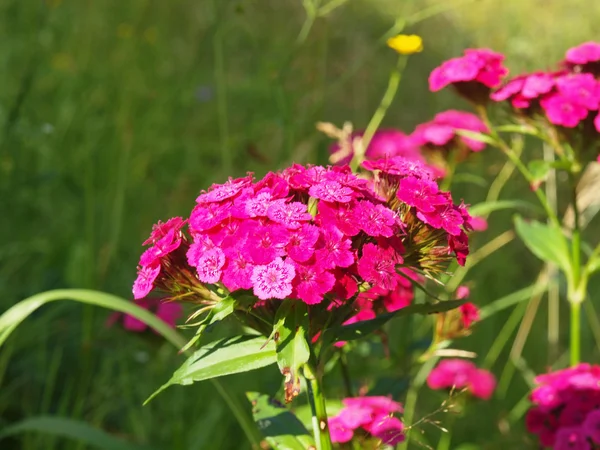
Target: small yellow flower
column 406, row 44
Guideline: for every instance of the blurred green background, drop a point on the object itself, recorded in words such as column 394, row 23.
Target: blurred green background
column 115, row 114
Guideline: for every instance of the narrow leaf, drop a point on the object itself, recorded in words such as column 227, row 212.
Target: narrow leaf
column 360, row 329
column 220, row 311
column 479, row 137
column 484, row 208
column 70, row 429
column 280, row 427
column 223, row 357
column 545, row 241
column 292, row 348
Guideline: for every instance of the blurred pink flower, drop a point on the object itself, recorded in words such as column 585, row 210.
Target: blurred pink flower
column 460, row 374
column 442, row 130
column 168, row 312
column 585, row 53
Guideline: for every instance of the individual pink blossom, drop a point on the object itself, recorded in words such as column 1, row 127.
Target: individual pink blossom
column 219, row 192
column 421, row 193
column 460, row 374
column 581, row 88
column 378, row 266
column 312, row 282
column 161, row 229
column 338, row 431
column 168, row 312
column 291, row 215
column 210, row 265
column 562, row 110
column 401, row 167
column 537, row 84
column 144, row 282
column 273, row 280
column 161, row 248
column 336, row 249
column 588, row 52
column 376, row 220
column 597, row 123
column 442, row 130
column 331, row 191
column 477, row 65
column 385, row 143
column 238, row 271
column 478, row 223
column 463, row 292
column 469, row 314
column 301, row 245
column 266, row 242
column 388, row 429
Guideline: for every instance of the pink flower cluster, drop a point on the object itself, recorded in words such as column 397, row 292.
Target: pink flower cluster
column 472, row 75
column 566, row 97
column 305, row 233
column 371, row 415
column 566, row 411
column 460, row 374
column 441, row 131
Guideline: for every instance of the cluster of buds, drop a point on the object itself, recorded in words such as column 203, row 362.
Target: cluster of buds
column 316, row 234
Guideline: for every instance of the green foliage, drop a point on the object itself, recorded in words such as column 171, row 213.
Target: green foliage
column 223, row 357
column 545, row 241
column 71, row 429
column 280, row 427
column 293, row 351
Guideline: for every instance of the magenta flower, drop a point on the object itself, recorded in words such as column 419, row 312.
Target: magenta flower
column 376, row 220
column 237, row 273
column 469, row 314
column 331, row 191
column 312, row 282
column 460, row 374
column 219, row 192
column 537, row 84
column 581, row 88
column 301, row 245
column 144, row 283
column 562, row 110
column 591, row 426
column 597, row 123
column 378, row 266
column 168, row 312
column 571, row 438
column 584, row 54
column 336, row 249
column 441, row 131
column 421, row 193
column 209, row 265
column 338, row 431
column 385, row 143
column 273, row 280
column 291, row 215
column 160, row 230
column 472, row 74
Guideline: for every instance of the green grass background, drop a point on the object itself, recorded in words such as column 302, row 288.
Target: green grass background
column 115, row 114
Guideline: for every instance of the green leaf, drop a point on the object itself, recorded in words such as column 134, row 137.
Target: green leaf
column 360, row 329
column 281, row 429
column 545, row 241
column 484, row 208
column 70, row 429
column 469, row 178
column 593, row 265
column 292, row 348
column 223, row 357
column 479, row 137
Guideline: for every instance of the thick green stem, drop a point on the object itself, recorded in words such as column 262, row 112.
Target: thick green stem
column 319, row 411
column 575, row 345
column 385, row 103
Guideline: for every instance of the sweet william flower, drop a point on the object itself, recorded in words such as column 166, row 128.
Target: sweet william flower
column 459, row 374
column 563, row 111
column 273, row 280
column 168, row 312
column 144, row 282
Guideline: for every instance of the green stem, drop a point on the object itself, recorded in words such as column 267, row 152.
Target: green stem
column 445, row 439
column 575, row 345
column 574, row 287
column 385, row 103
column 318, row 408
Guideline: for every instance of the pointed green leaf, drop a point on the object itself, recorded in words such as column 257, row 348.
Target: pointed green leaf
column 281, row 429
column 292, row 348
column 593, row 265
column 360, row 329
column 223, row 357
column 545, row 241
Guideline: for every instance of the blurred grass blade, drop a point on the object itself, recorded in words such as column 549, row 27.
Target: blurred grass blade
column 223, row 357
column 71, row 429
column 11, row 318
column 16, row 314
column 485, row 208
column 511, row 299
